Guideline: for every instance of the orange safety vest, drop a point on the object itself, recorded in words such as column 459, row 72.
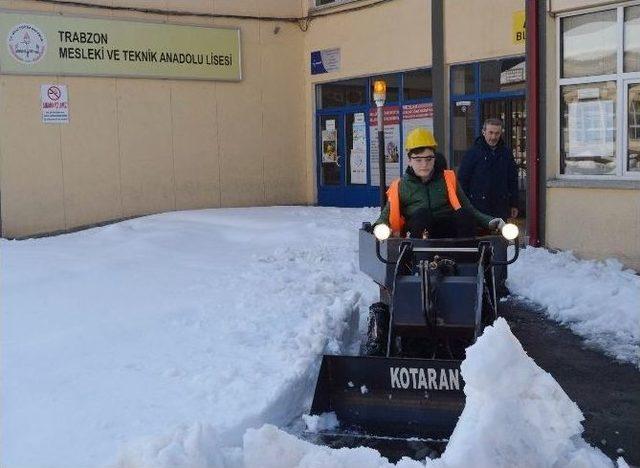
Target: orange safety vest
column 396, row 220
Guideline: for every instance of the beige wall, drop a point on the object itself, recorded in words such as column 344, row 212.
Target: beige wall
column 389, row 37
column 138, row 146
column 478, row 29
column 595, row 223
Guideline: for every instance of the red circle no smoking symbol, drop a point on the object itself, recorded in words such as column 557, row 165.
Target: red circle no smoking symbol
column 54, row 93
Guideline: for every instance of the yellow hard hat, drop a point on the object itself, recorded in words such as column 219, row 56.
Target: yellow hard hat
column 420, row 138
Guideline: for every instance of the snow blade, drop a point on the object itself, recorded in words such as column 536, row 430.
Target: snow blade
column 391, row 397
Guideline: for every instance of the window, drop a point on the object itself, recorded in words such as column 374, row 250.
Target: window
column 393, row 87
column 589, row 44
column 600, row 69
column 342, row 93
column 463, row 120
column 417, row 85
column 632, row 39
column 498, row 76
column 633, row 133
column 588, row 142
column 326, row 3
column 463, row 79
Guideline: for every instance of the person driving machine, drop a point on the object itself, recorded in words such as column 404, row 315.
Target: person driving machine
column 427, row 202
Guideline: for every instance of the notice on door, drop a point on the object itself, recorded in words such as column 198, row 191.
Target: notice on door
column 330, row 146
column 414, row 116
column 358, row 156
column 391, row 125
column 54, row 102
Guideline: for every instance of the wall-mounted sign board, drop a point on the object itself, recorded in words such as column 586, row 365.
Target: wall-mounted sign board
column 41, row 44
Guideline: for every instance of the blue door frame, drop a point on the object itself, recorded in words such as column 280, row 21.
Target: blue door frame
column 344, row 194
column 476, row 98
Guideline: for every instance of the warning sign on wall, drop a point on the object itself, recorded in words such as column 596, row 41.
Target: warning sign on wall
column 518, row 31
column 54, row 100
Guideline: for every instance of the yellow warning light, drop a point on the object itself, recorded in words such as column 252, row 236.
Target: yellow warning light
column 379, row 87
column 379, row 92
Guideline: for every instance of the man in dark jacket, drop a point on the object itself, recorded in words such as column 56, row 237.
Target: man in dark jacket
column 489, row 175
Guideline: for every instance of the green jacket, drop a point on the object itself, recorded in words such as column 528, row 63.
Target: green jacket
column 415, row 194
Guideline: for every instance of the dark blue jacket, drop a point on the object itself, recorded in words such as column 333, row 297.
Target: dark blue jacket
column 489, row 177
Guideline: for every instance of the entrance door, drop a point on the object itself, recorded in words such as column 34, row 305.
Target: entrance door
column 343, row 163
column 331, row 159
column 512, row 112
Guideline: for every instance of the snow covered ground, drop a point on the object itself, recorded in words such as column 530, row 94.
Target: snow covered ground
column 599, row 301
column 186, row 339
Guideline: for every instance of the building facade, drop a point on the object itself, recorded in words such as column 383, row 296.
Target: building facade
column 590, row 89
column 299, row 124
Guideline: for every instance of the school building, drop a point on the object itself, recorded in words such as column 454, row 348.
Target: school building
column 111, row 109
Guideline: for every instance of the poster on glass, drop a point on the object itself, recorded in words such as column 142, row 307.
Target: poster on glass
column 391, row 125
column 591, row 137
column 358, row 156
column 414, row 116
column 329, row 146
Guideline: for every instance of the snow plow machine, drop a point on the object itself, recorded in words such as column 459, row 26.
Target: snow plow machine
column 436, row 296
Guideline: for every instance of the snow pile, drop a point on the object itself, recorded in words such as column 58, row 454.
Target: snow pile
column 174, row 333
column 321, row 422
column 269, row 447
column 599, row 301
column 516, row 415
column 161, row 341
column 195, row 446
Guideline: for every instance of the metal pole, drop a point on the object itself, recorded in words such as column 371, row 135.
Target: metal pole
column 533, row 127
column 438, row 76
column 381, row 161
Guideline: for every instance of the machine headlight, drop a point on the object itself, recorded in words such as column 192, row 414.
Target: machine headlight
column 510, row 231
column 382, row 232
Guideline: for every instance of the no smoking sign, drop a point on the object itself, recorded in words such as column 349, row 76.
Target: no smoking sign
column 54, row 93
column 54, row 103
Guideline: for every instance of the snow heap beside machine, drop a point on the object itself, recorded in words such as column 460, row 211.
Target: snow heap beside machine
column 436, row 296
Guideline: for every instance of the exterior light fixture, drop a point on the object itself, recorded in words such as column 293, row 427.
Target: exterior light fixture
column 379, row 96
column 379, row 92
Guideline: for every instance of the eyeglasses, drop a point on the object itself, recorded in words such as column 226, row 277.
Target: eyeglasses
column 422, row 158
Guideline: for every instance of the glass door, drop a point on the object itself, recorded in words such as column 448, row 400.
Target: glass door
column 511, row 110
column 331, row 159
column 344, row 166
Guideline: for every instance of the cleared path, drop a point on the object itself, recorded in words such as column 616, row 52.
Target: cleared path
column 607, row 391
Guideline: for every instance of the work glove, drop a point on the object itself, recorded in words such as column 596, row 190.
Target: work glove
column 496, row 223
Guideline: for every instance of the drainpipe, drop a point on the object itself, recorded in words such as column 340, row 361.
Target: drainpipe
column 533, row 124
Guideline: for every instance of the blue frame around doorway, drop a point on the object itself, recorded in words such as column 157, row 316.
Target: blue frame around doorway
column 476, row 98
column 355, row 195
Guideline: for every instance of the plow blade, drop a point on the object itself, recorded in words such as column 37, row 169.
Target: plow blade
column 391, row 397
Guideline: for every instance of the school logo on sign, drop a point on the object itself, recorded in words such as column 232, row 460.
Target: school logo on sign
column 26, row 43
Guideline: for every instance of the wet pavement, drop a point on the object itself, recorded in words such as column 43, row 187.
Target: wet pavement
column 607, row 391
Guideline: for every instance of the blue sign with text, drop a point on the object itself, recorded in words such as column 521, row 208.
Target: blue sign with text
column 324, row 61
